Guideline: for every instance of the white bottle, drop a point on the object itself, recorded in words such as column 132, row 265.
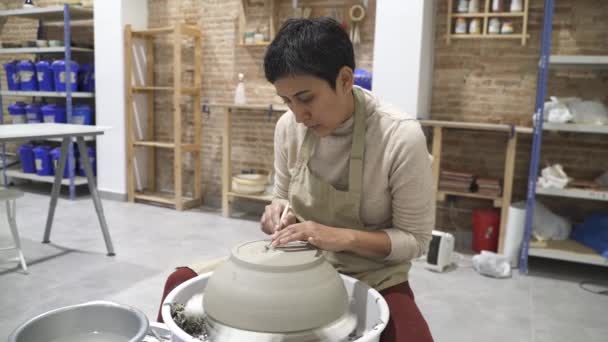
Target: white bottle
column 474, row 6
column 239, row 93
column 516, row 6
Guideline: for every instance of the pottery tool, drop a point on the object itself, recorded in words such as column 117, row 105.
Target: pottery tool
column 356, row 14
column 283, row 216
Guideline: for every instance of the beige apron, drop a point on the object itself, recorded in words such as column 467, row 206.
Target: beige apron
column 313, row 199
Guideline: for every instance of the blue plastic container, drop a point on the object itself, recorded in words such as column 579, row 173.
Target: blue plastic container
column 17, row 112
column 26, row 154
column 91, row 153
column 82, row 115
column 34, row 113
column 363, row 78
column 55, row 154
column 54, row 113
column 27, row 76
column 44, row 163
column 86, row 78
column 45, row 74
column 61, row 81
column 12, row 76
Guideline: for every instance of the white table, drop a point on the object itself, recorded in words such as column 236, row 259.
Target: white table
column 66, row 132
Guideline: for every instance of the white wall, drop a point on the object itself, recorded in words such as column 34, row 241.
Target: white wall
column 403, row 54
column 110, row 18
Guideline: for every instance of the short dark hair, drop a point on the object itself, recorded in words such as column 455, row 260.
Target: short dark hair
column 318, row 47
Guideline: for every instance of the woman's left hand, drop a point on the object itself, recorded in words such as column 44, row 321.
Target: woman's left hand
column 323, row 237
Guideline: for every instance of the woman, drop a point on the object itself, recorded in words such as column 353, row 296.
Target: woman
column 355, row 172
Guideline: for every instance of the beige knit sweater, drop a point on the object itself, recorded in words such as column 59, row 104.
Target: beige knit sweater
column 398, row 195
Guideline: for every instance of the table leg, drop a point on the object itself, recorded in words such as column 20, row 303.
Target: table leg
column 56, row 188
column 94, row 194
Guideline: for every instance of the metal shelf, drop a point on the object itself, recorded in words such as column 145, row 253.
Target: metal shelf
column 17, row 173
column 49, row 13
column 42, row 50
column 600, row 129
column 75, row 94
column 574, row 193
column 567, row 250
column 570, row 61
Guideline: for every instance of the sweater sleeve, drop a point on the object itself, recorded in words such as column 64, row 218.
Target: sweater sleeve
column 413, row 198
column 282, row 176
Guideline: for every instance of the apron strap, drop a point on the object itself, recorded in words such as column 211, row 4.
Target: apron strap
column 355, row 173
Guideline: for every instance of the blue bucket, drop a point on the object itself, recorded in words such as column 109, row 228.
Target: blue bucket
column 55, row 154
column 26, row 154
column 27, row 76
column 34, row 113
column 17, row 112
column 82, row 115
column 91, row 153
column 86, row 78
column 60, row 76
column 46, row 80
column 12, row 76
column 54, row 113
column 44, row 163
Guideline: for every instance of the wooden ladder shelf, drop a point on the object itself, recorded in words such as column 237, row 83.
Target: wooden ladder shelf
column 149, row 193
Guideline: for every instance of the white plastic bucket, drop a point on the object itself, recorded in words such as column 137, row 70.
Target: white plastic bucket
column 368, row 304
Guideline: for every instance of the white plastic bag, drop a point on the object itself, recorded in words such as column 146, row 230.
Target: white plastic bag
column 553, row 176
column 557, row 111
column 492, row 264
column 549, row 226
column 589, row 113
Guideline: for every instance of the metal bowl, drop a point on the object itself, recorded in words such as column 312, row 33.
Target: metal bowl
column 92, row 321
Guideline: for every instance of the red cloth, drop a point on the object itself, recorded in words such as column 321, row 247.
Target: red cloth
column 406, row 323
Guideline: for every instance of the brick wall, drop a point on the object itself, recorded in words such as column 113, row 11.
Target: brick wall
column 495, row 81
column 223, row 59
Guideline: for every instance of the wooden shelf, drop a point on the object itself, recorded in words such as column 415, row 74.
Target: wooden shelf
column 167, row 199
column 41, row 50
column 441, row 195
column 271, row 8
column 17, row 173
column 49, row 13
column 262, row 44
column 484, row 21
column 576, row 128
column 488, row 36
column 275, row 107
column 567, row 250
column 596, row 195
column 75, row 94
column 185, row 29
column 177, row 33
column 263, row 197
column 489, row 15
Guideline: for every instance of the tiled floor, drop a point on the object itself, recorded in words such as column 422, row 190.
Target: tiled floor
column 460, row 305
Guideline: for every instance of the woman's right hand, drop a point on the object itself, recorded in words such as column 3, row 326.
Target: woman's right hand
column 271, row 219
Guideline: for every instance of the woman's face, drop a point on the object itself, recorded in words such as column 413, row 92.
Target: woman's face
column 315, row 104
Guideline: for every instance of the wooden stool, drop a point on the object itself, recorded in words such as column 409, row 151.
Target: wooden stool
column 10, row 197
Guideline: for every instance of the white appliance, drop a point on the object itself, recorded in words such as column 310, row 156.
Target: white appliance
column 440, row 251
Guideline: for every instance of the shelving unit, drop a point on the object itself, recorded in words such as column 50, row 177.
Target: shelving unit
column 502, row 201
column 560, row 250
column 484, row 18
column 271, row 8
column 61, row 14
column 149, row 193
column 229, row 196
